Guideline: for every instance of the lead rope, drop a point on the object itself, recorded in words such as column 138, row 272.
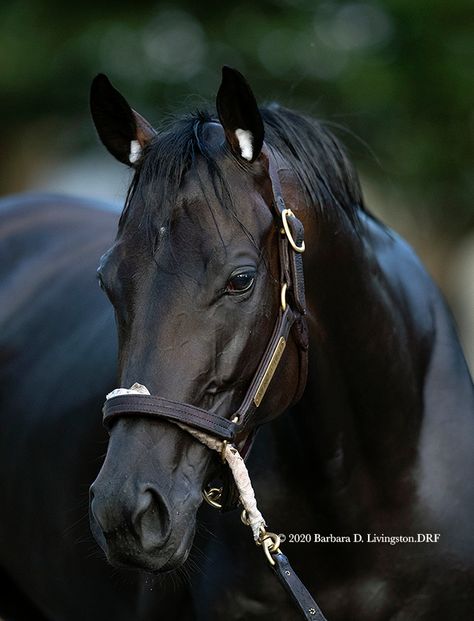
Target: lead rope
column 251, row 516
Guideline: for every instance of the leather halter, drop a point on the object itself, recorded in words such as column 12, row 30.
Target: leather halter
column 238, row 428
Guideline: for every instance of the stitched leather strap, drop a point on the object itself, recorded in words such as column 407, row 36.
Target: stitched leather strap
column 296, row 266
column 158, row 407
column 296, row 589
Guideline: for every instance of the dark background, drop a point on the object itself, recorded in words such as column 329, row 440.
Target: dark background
column 394, row 77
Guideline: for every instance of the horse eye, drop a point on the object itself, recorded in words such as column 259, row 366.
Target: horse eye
column 240, row 281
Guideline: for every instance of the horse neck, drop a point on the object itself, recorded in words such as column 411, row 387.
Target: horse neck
column 362, row 404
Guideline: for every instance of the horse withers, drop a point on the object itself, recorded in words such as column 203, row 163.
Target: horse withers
column 377, row 445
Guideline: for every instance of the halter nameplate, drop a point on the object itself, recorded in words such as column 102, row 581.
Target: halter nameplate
column 270, row 371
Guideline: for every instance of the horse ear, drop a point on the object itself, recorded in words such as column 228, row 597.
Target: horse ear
column 239, row 115
column 123, row 131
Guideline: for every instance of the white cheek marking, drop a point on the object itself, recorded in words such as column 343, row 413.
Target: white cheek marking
column 135, row 151
column 245, row 139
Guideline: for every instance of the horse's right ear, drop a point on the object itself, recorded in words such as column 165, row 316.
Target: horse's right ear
column 123, row 131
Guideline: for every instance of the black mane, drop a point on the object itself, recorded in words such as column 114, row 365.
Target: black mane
column 317, row 157
column 327, row 177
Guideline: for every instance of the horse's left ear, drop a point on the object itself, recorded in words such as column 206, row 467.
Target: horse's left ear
column 239, row 115
column 123, row 131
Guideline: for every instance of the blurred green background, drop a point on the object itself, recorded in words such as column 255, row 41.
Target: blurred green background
column 394, row 77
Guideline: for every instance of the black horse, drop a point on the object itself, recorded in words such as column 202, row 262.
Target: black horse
column 381, row 443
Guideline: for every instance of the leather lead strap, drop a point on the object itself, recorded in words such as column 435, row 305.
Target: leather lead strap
column 296, row 589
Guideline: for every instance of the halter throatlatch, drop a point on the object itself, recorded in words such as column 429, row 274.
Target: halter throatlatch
column 226, row 434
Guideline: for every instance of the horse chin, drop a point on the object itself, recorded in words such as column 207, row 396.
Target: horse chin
column 124, row 553
column 178, row 558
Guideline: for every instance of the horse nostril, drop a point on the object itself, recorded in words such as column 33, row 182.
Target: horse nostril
column 151, row 520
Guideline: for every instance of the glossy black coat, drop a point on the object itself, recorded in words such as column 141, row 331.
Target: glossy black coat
column 382, row 441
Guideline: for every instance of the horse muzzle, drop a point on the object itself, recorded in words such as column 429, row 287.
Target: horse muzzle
column 144, row 501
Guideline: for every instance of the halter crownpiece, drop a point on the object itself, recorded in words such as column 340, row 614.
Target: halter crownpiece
column 226, row 434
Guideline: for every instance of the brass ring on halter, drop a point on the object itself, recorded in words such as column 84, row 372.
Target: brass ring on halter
column 285, row 214
column 212, row 496
column 284, row 287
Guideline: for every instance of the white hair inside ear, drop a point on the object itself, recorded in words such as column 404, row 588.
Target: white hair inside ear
column 245, row 138
column 135, row 151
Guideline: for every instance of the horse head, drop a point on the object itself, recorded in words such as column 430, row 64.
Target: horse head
column 195, row 280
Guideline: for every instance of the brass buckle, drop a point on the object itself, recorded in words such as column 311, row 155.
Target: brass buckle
column 285, row 214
